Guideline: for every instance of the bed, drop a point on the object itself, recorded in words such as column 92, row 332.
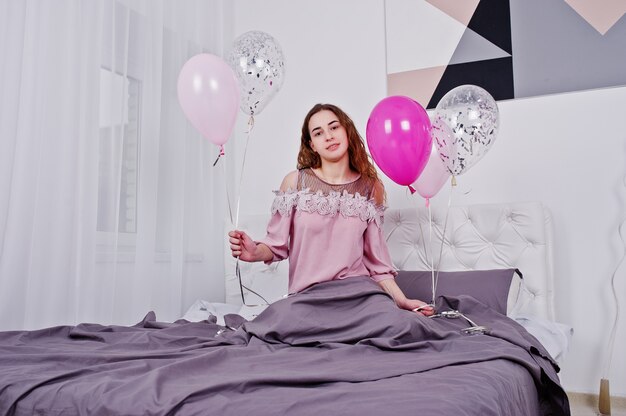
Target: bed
column 339, row 347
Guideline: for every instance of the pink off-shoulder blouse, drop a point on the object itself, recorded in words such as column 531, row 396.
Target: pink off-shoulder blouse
column 328, row 232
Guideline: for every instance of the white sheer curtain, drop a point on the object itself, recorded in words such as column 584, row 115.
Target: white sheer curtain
column 109, row 205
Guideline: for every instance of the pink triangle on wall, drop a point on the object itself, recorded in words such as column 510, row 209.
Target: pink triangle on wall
column 602, row 15
column 419, row 84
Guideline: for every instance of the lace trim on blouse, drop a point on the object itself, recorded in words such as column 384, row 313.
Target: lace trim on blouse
column 345, row 203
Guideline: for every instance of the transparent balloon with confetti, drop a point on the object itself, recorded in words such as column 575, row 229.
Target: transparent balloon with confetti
column 259, row 65
column 465, row 126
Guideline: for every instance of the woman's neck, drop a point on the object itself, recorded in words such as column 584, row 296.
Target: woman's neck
column 336, row 172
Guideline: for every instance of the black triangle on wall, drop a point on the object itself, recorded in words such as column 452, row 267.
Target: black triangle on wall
column 494, row 75
column 492, row 20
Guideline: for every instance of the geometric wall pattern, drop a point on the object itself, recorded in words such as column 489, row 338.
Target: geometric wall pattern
column 511, row 48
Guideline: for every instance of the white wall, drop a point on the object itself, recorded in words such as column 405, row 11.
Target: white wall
column 568, row 151
column 331, row 55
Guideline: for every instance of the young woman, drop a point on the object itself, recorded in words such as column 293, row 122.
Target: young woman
column 328, row 214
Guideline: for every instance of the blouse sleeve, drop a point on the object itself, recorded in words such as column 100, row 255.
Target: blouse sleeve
column 376, row 254
column 279, row 226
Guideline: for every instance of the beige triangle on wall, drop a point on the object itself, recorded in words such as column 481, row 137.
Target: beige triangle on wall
column 419, row 84
column 601, row 15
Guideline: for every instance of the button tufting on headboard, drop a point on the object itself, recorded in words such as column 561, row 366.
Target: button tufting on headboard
column 481, row 237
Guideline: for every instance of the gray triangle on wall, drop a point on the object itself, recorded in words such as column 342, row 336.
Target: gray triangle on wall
column 473, row 48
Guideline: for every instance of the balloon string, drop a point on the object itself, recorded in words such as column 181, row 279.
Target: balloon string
column 230, row 211
column 243, row 165
column 430, row 243
column 445, row 224
column 242, row 287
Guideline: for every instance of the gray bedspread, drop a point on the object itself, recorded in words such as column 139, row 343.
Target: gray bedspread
column 340, row 348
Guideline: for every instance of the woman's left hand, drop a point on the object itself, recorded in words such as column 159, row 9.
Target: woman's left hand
column 417, row 306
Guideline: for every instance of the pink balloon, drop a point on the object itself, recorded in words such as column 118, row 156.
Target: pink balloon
column 398, row 137
column 434, row 175
column 209, row 96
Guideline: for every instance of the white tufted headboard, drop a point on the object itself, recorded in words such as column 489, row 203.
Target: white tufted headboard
column 478, row 237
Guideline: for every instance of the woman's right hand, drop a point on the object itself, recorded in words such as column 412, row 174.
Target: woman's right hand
column 242, row 246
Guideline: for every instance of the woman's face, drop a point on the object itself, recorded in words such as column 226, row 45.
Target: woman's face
column 328, row 137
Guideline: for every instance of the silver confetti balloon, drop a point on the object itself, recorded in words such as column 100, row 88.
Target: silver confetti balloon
column 258, row 62
column 465, row 126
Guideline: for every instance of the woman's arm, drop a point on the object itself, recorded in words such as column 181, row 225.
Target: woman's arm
column 246, row 249
column 377, row 257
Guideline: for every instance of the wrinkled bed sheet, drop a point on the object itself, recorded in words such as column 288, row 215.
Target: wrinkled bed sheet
column 340, row 347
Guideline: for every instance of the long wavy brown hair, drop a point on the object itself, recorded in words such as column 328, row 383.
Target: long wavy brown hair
column 359, row 159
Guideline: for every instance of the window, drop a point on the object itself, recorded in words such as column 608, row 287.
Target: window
column 119, row 138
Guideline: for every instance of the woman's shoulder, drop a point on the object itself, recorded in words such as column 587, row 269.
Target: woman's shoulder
column 378, row 192
column 290, row 181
